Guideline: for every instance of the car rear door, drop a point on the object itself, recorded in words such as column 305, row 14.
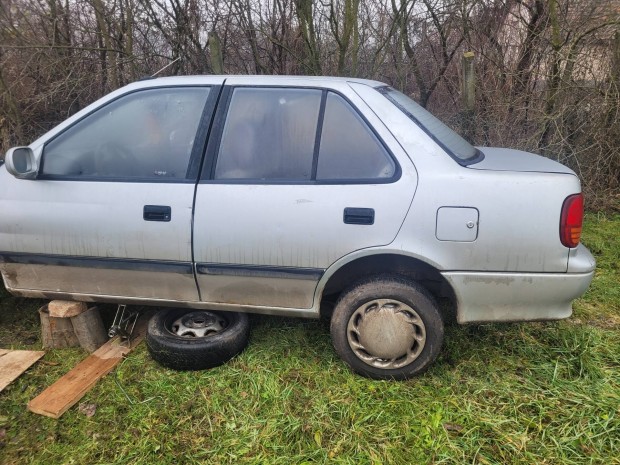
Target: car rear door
column 110, row 213
column 295, row 177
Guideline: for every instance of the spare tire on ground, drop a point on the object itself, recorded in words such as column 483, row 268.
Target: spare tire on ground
column 184, row 339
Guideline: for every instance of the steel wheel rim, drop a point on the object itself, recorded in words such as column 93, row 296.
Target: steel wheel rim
column 198, row 324
column 386, row 333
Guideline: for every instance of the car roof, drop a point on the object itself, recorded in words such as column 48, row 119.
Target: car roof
column 261, row 79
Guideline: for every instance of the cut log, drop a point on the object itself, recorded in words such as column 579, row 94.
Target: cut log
column 56, row 333
column 70, row 388
column 66, row 308
column 89, row 329
column 14, row 362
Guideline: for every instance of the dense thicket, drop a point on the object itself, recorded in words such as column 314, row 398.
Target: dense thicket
column 547, row 71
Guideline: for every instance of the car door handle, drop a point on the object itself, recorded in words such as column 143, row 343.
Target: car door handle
column 359, row 216
column 157, row 213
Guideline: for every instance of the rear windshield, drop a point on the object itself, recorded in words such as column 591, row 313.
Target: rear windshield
column 457, row 147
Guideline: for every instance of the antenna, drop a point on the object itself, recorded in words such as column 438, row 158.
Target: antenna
column 169, row 64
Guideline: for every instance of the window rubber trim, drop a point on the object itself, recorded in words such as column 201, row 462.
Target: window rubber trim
column 318, row 136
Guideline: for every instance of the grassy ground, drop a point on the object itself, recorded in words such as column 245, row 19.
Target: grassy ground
column 545, row 393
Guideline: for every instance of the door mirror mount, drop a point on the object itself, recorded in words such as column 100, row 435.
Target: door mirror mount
column 21, row 163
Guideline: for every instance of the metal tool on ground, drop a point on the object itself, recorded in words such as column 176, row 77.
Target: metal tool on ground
column 123, row 324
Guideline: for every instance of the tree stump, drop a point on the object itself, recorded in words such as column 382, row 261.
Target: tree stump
column 56, row 333
column 71, row 324
column 89, row 329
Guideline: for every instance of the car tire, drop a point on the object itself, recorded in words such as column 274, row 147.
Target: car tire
column 387, row 328
column 196, row 339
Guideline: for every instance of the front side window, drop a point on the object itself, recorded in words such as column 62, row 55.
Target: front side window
column 146, row 134
column 269, row 134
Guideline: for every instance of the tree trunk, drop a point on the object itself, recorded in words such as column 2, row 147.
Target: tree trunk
column 308, row 34
column 553, row 79
column 108, row 56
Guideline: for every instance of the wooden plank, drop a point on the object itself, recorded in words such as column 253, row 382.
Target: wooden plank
column 14, row 362
column 71, row 387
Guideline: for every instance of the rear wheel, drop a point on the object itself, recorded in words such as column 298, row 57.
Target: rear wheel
column 196, row 339
column 387, row 328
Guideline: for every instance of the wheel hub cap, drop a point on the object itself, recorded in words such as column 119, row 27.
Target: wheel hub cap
column 198, row 324
column 386, row 333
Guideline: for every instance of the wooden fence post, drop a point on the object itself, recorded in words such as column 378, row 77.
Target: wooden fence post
column 215, row 50
column 468, row 123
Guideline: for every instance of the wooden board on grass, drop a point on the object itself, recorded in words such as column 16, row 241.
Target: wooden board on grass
column 70, row 388
column 14, row 362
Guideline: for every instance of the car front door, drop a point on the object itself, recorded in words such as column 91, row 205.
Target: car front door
column 110, row 212
column 294, row 179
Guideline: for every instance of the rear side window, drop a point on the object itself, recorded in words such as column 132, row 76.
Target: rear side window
column 146, row 134
column 269, row 134
column 296, row 134
column 349, row 149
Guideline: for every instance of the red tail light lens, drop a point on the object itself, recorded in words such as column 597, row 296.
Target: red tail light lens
column 571, row 220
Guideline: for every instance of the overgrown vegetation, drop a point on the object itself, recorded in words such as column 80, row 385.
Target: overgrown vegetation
column 499, row 394
column 547, row 71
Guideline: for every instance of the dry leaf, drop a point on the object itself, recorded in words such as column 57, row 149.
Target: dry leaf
column 87, row 409
column 452, row 427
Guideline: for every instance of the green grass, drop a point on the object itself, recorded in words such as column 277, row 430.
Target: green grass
column 543, row 393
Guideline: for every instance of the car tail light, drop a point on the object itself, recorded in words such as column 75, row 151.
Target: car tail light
column 571, row 220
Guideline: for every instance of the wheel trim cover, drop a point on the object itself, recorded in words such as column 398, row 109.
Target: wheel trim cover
column 198, row 324
column 386, row 333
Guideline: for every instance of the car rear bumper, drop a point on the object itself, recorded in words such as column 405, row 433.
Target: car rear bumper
column 496, row 297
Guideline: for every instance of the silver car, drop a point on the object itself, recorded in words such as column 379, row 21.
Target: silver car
column 294, row 196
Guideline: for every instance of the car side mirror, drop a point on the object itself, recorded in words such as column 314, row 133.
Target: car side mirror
column 21, row 163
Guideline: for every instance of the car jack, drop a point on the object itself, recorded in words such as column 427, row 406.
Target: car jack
column 123, row 324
